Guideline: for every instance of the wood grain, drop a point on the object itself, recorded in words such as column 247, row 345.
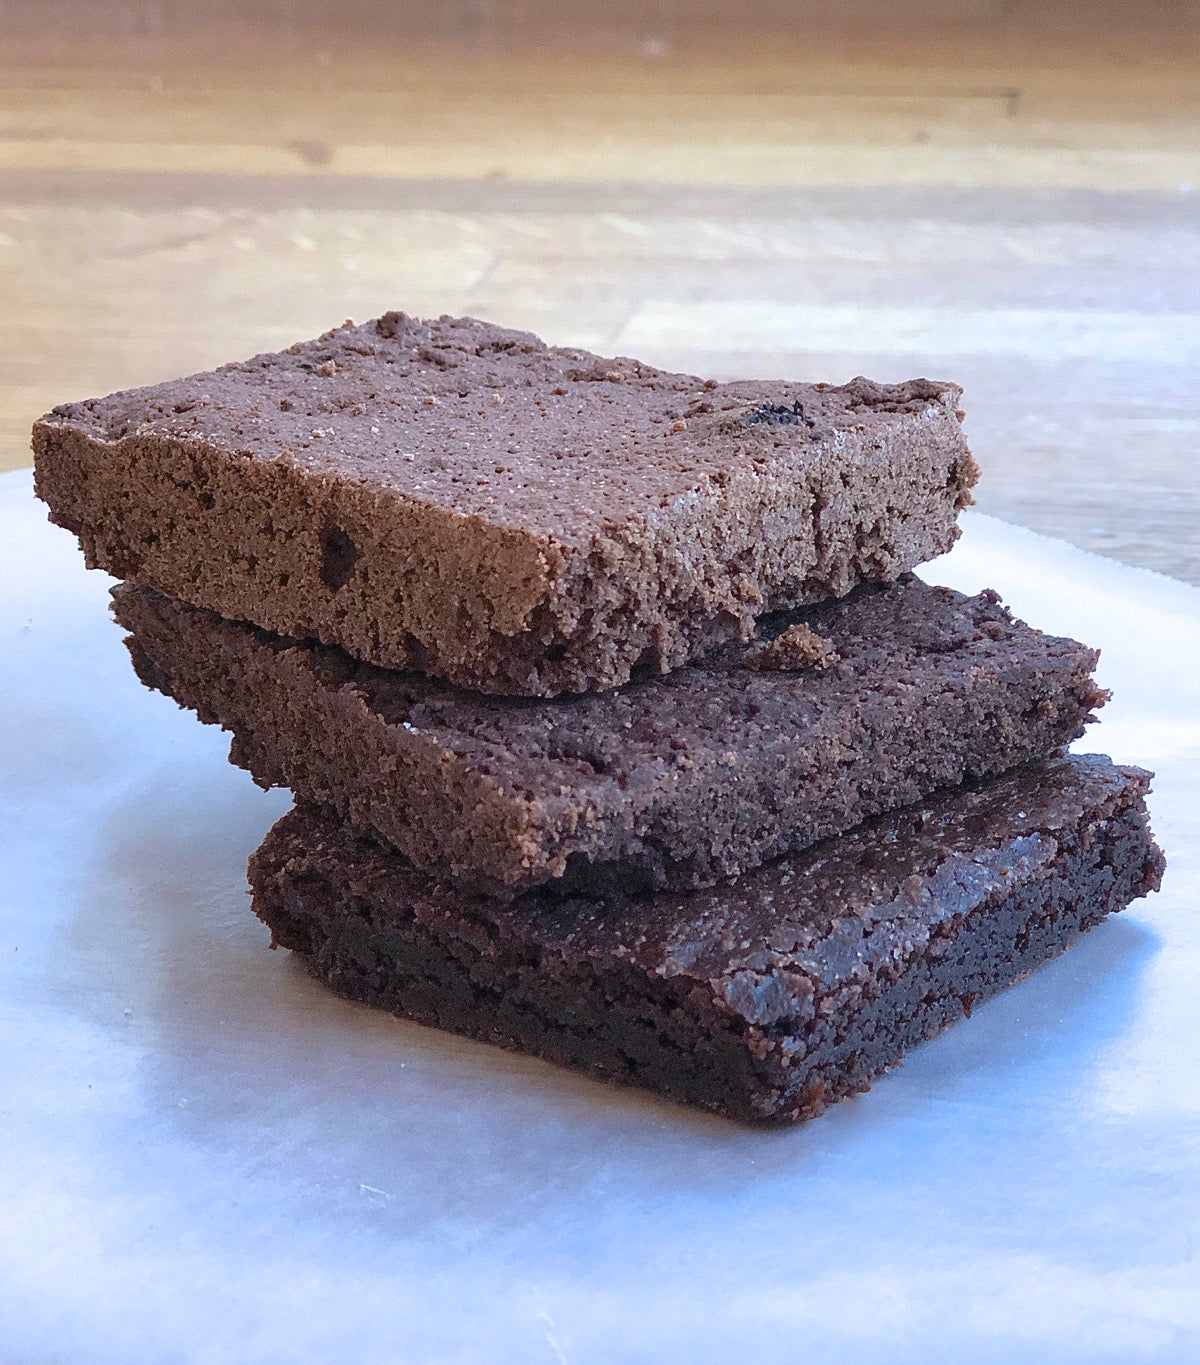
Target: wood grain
column 983, row 196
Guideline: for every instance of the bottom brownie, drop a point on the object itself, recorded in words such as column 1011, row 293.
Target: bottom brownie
column 764, row 999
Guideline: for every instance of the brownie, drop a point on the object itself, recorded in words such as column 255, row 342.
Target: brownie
column 461, row 499
column 764, row 1000
column 842, row 710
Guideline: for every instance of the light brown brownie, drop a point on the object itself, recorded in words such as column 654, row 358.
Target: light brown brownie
column 461, row 499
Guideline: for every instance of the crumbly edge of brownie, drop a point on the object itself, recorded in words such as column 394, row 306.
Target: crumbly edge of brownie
column 778, row 1048
column 403, row 583
column 628, row 789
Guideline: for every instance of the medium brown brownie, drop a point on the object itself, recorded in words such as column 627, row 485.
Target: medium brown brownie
column 458, row 498
column 765, row 1000
column 675, row 781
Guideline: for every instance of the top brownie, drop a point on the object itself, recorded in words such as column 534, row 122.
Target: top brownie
column 461, row 499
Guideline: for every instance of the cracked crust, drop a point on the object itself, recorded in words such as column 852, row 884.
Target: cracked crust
column 454, row 497
column 675, row 782
column 767, row 1000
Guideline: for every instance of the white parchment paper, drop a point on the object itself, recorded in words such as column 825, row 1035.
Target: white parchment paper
column 205, row 1157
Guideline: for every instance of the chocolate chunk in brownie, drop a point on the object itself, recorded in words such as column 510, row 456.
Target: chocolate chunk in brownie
column 670, row 782
column 765, row 1000
column 459, row 498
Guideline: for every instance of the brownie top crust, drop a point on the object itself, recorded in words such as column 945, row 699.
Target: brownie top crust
column 484, row 421
column 461, row 499
column 856, row 903
column 846, row 910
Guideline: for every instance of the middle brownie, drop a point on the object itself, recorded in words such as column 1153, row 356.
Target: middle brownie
column 839, row 712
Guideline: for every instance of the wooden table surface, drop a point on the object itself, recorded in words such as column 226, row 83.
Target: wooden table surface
column 965, row 190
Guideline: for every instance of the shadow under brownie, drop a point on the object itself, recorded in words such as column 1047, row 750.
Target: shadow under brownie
column 764, row 1000
column 846, row 709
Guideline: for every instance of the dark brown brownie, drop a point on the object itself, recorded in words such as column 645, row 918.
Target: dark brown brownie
column 765, row 1000
column 461, row 499
column 672, row 782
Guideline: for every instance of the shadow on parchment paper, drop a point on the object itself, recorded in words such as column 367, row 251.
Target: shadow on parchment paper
column 244, row 1052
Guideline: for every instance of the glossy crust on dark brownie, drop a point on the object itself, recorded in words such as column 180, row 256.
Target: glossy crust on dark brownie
column 849, row 708
column 461, row 499
column 765, row 1000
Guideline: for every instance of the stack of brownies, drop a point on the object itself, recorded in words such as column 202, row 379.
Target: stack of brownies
column 619, row 729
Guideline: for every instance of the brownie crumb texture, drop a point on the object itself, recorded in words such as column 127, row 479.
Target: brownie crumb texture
column 797, row 648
